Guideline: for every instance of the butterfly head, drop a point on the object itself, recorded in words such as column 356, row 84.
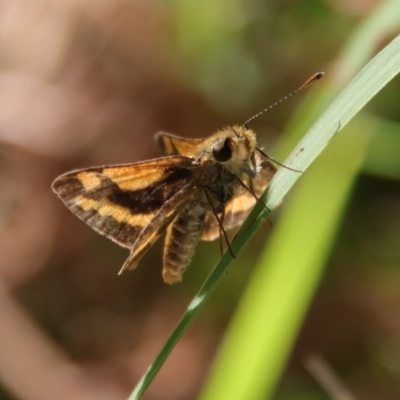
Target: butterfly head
column 234, row 147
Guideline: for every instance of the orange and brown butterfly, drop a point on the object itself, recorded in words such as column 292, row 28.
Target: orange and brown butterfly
column 199, row 189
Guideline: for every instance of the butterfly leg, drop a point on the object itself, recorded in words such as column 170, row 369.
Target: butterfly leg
column 220, row 223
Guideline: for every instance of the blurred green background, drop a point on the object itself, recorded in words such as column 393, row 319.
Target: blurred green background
column 88, row 83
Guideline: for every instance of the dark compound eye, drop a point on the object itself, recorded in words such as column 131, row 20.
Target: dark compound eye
column 222, row 151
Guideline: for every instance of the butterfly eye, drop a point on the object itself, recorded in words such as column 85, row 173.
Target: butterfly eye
column 222, row 151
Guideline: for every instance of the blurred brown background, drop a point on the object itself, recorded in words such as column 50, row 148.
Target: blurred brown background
column 86, row 83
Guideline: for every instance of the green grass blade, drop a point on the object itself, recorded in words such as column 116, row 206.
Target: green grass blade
column 259, row 339
column 371, row 79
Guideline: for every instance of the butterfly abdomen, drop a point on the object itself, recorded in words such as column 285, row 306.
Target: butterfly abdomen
column 182, row 237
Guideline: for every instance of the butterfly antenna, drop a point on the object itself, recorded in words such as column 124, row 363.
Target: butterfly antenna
column 307, row 83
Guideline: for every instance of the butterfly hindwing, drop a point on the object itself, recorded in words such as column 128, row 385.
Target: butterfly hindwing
column 170, row 145
column 240, row 206
column 159, row 223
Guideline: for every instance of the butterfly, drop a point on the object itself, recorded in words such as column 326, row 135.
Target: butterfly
column 199, row 189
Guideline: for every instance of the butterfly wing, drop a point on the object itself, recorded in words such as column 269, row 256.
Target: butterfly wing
column 240, row 206
column 174, row 145
column 121, row 201
column 159, row 223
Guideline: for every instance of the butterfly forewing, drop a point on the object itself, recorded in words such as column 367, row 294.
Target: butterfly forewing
column 120, row 201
